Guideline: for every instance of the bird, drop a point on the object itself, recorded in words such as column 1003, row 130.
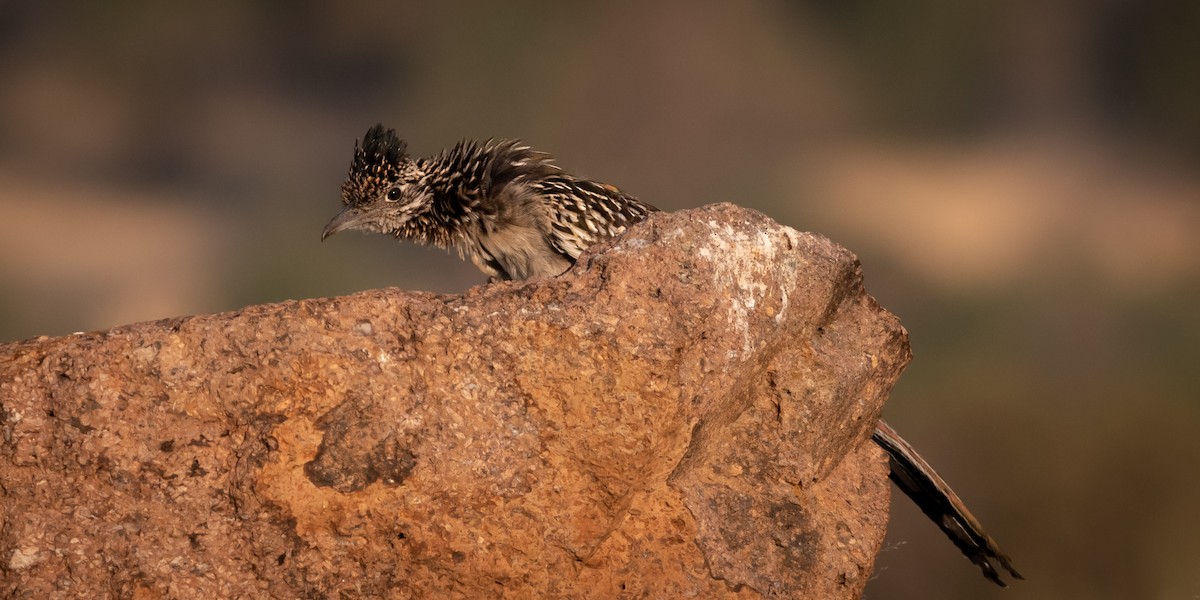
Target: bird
column 506, row 207
column 516, row 215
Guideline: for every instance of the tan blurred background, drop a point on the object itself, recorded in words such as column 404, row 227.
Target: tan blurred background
column 1020, row 179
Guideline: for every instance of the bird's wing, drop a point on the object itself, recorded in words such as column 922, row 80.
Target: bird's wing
column 583, row 213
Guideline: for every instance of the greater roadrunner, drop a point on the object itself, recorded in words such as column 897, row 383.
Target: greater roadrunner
column 503, row 205
column 518, row 216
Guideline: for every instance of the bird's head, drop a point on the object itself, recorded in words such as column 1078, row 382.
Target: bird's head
column 385, row 188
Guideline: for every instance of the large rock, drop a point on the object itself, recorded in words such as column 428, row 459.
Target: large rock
column 684, row 414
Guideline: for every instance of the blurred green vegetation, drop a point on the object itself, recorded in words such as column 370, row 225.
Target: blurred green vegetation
column 1019, row 179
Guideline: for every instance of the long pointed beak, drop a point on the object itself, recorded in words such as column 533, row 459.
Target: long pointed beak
column 347, row 219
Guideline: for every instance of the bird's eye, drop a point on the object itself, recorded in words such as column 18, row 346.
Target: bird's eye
column 393, row 194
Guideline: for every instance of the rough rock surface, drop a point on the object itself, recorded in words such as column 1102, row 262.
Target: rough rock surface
column 684, row 414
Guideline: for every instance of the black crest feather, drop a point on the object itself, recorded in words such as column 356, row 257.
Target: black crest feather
column 380, row 148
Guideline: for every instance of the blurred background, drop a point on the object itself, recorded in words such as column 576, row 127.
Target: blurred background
column 1020, row 179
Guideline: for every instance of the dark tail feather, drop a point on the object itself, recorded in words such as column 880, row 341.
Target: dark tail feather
column 912, row 474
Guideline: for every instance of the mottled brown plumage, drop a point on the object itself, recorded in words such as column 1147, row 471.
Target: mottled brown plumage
column 504, row 206
column 518, row 216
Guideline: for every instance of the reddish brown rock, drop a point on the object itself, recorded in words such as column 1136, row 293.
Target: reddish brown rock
column 684, row 414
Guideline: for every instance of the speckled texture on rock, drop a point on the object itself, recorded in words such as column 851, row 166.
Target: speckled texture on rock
column 684, row 414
